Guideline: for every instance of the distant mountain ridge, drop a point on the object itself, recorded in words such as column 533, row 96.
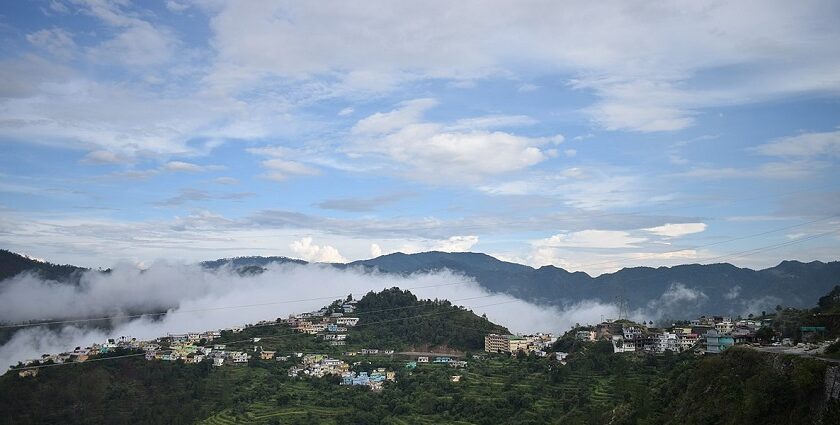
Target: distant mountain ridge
column 12, row 264
column 673, row 292
column 678, row 291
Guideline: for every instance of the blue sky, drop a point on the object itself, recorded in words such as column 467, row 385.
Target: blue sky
column 587, row 136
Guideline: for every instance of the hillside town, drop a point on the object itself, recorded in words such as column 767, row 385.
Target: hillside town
column 705, row 335
column 328, row 325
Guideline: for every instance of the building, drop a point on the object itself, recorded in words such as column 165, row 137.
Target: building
column 518, row 343
column 347, row 321
column 717, row 342
column 621, row 345
column 267, row 355
column 724, row 327
column 666, row 341
column 686, row 340
column 239, row 357
column 585, row 335
column 811, row 333
column 422, row 359
column 495, row 343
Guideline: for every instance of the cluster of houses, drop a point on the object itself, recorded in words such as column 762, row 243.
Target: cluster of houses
column 331, row 326
column 373, row 380
column 538, row 343
column 80, row 354
column 320, row 365
column 712, row 334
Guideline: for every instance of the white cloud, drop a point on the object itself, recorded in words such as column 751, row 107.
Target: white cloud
column 675, row 230
column 733, row 292
column 281, row 170
column 57, row 41
column 176, row 7
column 610, row 239
column 346, row 111
column 180, row 166
column 226, row 180
column 453, row 154
column 103, row 157
column 648, row 65
column 456, row 244
column 195, row 304
column 678, row 293
column 805, row 145
column 770, row 170
column 494, row 121
column 138, row 45
column 304, row 249
column 278, row 168
column 375, row 250
column 409, row 112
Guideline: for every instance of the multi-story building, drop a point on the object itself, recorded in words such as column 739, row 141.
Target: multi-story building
column 717, row 342
column 495, row 343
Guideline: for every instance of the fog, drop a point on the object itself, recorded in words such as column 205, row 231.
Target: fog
column 198, row 299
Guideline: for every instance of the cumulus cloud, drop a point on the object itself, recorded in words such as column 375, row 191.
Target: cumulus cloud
column 375, row 250
column 308, row 251
column 213, row 299
column 448, row 153
column 456, row 244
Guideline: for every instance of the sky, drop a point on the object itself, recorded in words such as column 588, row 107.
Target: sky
column 587, row 135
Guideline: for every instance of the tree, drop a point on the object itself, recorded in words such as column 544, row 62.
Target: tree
column 765, row 334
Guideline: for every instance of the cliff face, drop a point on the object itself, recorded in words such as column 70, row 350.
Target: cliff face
column 830, row 396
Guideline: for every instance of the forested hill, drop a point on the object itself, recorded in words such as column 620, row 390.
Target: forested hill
column 12, row 264
column 396, row 317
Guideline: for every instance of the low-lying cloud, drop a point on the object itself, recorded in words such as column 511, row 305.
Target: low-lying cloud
column 198, row 299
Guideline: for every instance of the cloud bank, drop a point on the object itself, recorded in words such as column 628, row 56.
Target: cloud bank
column 198, row 299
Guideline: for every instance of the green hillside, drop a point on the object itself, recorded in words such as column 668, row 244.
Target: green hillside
column 596, row 386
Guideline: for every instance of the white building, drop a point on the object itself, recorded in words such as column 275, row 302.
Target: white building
column 347, row 321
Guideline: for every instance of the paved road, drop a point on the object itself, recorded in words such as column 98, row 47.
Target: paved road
column 421, row 353
column 796, row 351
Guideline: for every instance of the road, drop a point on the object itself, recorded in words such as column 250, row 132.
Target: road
column 797, row 351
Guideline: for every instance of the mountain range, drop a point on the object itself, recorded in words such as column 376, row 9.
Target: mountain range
column 673, row 292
